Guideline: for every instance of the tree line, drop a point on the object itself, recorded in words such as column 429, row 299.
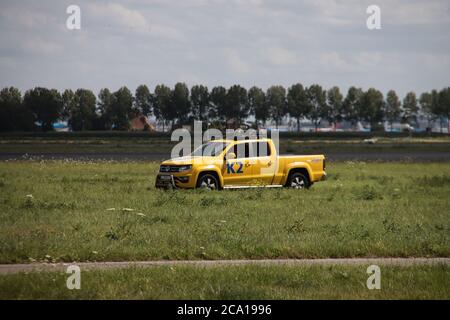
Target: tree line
column 40, row 108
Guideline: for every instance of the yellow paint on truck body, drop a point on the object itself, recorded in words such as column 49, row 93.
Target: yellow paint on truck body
column 256, row 163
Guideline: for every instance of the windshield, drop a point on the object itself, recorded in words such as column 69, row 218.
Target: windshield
column 209, row 149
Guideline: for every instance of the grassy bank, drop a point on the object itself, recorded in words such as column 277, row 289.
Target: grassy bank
column 66, row 211
column 157, row 143
column 243, row 282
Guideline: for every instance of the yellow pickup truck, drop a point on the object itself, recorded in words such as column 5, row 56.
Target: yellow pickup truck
column 220, row 164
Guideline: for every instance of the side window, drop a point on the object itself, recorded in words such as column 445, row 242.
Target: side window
column 263, row 149
column 242, row 150
column 251, row 149
column 232, row 149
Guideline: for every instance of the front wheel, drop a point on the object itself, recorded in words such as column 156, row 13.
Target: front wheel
column 208, row 182
column 298, row 181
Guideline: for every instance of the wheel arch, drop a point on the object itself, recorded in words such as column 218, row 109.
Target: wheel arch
column 212, row 171
column 302, row 168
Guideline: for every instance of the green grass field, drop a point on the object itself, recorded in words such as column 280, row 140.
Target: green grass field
column 243, row 282
column 97, row 211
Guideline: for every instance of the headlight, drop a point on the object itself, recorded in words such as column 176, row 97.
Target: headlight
column 185, row 168
column 164, row 168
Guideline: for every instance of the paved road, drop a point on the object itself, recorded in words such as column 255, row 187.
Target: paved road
column 62, row 267
column 341, row 156
column 137, row 156
column 391, row 156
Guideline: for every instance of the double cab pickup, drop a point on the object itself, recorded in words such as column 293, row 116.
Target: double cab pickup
column 220, row 164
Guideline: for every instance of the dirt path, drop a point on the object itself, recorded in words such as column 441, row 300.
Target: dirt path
column 32, row 267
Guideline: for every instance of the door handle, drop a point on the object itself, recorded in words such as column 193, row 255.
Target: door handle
column 269, row 163
column 247, row 164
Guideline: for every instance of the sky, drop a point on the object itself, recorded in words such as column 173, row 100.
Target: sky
column 226, row 42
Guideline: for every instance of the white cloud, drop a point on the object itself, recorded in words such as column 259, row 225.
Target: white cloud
column 338, row 12
column 393, row 12
column 166, row 32
column 117, row 13
column 131, row 20
column 365, row 60
column 42, row 47
column 333, row 61
column 415, row 12
column 249, row 2
column 190, row 79
column 24, row 17
column 235, row 62
column 436, row 61
column 362, row 61
column 280, row 56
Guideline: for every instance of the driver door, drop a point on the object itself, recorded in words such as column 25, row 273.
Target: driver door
column 238, row 171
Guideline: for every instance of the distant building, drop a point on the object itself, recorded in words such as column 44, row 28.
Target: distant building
column 61, row 126
column 141, row 123
column 235, row 123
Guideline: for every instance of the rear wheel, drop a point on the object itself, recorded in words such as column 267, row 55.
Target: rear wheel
column 298, row 181
column 208, row 181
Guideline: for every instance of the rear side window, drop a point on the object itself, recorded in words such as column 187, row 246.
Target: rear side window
column 263, row 149
column 260, row 149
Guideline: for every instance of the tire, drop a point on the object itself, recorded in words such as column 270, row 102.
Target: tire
column 298, row 180
column 208, row 181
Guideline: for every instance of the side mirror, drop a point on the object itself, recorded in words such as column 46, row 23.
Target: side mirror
column 230, row 156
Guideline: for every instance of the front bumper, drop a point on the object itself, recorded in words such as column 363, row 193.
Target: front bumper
column 165, row 181
column 172, row 181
